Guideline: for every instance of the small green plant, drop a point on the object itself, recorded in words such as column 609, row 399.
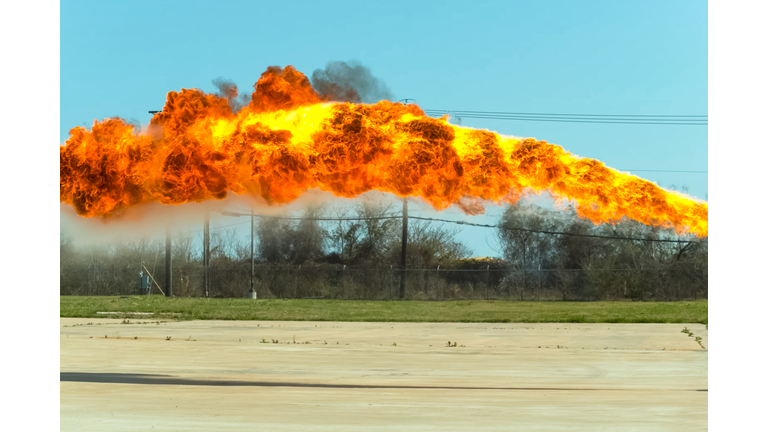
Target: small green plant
column 167, row 338
column 394, row 343
column 135, row 337
column 695, row 338
column 698, row 341
column 190, row 337
column 263, row 341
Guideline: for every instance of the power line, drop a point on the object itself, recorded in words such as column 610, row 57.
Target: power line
column 669, row 171
column 470, row 224
column 299, row 218
column 581, row 121
column 221, row 227
column 684, row 120
column 568, row 115
column 555, row 232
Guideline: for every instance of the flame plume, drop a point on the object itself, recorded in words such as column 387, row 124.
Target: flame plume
column 289, row 139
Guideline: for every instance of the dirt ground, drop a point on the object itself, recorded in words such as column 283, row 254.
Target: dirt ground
column 229, row 375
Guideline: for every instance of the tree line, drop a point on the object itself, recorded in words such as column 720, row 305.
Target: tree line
column 344, row 258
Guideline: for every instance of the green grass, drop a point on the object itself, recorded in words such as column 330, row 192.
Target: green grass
column 388, row 311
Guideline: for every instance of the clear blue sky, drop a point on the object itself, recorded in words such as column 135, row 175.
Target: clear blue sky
column 596, row 57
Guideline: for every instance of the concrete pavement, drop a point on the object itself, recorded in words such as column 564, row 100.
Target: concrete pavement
column 229, row 375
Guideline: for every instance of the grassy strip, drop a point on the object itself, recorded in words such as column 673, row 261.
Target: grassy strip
column 392, row 311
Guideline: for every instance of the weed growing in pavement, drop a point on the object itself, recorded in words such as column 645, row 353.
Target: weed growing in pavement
column 167, row 338
column 695, row 338
column 698, row 341
column 263, row 341
column 135, row 337
column 394, row 343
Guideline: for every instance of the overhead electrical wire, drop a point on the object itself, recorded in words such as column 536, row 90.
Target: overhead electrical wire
column 465, row 223
column 652, row 119
column 662, row 119
column 667, row 171
column 554, row 232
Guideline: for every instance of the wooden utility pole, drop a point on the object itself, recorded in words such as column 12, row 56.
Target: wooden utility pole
column 405, row 244
column 168, row 267
column 206, row 253
column 252, row 269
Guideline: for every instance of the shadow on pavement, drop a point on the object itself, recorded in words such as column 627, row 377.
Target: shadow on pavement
column 156, row 379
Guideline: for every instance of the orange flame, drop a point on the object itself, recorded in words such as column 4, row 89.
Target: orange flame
column 288, row 140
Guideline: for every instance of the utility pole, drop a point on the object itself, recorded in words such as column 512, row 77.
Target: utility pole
column 251, row 291
column 168, row 249
column 402, row 252
column 168, row 267
column 405, row 231
column 206, row 252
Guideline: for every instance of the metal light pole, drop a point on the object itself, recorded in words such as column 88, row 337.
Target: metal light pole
column 251, row 292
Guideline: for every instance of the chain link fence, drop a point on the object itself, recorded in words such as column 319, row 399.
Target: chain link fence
column 327, row 281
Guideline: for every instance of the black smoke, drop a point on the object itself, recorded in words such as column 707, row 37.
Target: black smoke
column 349, row 82
column 228, row 89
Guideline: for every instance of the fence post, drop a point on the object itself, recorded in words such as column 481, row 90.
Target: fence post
column 343, row 285
column 439, row 285
column 538, row 291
